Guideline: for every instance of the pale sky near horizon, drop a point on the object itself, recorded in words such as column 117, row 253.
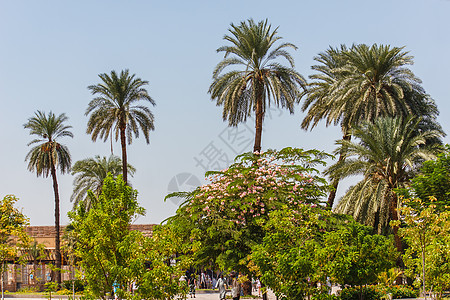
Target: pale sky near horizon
column 50, row 51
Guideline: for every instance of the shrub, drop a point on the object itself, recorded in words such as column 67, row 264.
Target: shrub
column 63, row 291
column 378, row 292
column 79, row 285
column 353, row 293
column 28, row 289
column 403, row 291
column 324, row 296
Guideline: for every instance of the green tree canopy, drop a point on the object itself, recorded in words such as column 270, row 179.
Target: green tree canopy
column 260, row 80
column 103, row 237
column 110, row 253
column 312, row 245
column 433, row 181
column 356, row 256
column 12, row 233
column 427, row 233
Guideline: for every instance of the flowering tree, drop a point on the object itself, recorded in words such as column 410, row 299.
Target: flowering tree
column 222, row 220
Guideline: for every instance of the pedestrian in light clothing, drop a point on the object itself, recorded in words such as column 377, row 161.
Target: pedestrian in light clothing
column 222, row 289
column 235, row 287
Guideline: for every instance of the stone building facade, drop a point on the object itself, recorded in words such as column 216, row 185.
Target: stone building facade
column 35, row 270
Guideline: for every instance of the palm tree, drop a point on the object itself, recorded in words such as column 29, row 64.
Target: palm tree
column 389, row 151
column 47, row 156
column 362, row 84
column 36, row 252
column 115, row 110
column 90, row 174
column 260, row 81
column 321, row 94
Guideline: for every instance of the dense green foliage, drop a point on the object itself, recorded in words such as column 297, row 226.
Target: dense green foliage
column 76, row 285
column 287, row 255
column 355, row 255
column 433, row 180
column 111, row 254
column 260, row 80
column 311, row 245
column 378, row 292
column 427, row 233
column 13, row 237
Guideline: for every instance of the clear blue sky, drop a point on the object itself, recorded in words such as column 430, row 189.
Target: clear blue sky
column 50, row 51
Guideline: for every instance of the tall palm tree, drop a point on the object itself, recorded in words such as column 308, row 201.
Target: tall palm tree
column 47, row 156
column 361, row 84
column 114, row 110
column 90, row 174
column 260, row 80
column 387, row 153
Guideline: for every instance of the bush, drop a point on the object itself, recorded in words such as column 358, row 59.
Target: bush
column 28, row 289
column 79, row 285
column 368, row 293
column 403, row 291
column 378, row 292
column 63, row 291
column 324, row 296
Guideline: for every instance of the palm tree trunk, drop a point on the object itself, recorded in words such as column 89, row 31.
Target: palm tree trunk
column 258, row 126
column 332, row 196
column 123, row 142
column 397, row 239
column 57, row 240
column 394, row 217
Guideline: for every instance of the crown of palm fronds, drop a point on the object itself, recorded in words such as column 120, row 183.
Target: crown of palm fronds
column 90, row 174
column 115, row 107
column 387, row 153
column 48, row 152
column 363, row 83
column 259, row 74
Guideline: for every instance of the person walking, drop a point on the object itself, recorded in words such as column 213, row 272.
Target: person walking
column 192, row 283
column 222, row 288
column 235, row 287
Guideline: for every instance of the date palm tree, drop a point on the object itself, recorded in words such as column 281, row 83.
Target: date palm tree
column 362, row 84
column 259, row 79
column 90, row 174
column 388, row 152
column 114, row 110
column 47, row 156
